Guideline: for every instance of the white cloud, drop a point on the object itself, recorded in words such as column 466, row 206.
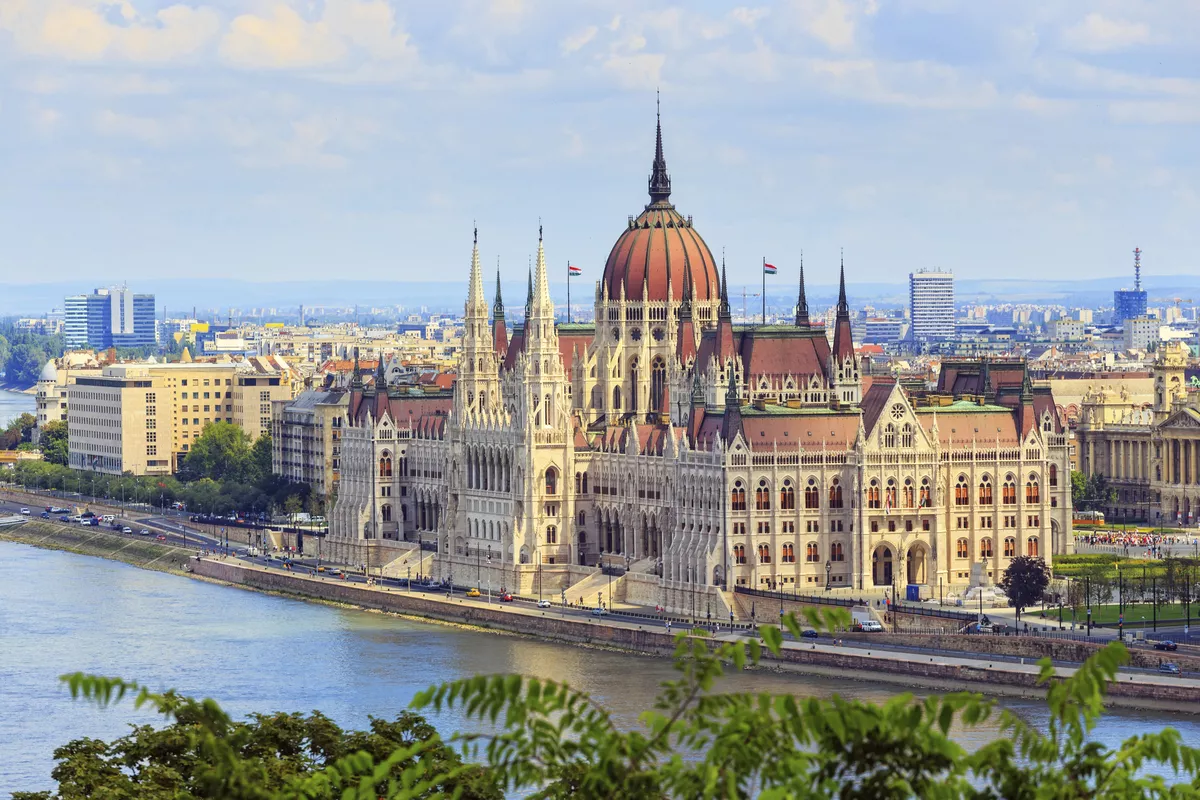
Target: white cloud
column 80, row 30
column 832, row 22
column 577, row 41
column 1097, row 33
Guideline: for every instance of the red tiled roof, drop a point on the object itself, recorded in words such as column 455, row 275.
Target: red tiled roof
column 659, row 243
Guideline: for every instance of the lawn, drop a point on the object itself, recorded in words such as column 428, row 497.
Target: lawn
column 1134, row 613
column 1105, row 564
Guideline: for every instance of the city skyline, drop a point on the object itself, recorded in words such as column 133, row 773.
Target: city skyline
column 233, row 139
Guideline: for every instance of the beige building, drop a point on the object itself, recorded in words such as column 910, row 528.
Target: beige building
column 306, row 439
column 188, row 395
column 51, row 389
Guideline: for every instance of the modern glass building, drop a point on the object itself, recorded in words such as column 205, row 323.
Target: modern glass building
column 109, row 318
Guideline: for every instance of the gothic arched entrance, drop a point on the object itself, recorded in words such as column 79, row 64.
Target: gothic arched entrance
column 882, row 565
column 918, row 564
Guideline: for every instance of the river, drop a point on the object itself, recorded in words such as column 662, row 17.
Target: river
column 13, row 405
column 61, row 612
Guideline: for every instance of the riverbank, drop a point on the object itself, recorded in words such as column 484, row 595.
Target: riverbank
column 909, row 670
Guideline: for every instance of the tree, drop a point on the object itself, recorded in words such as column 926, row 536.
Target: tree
column 54, row 442
column 221, row 451
column 543, row 739
column 1025, row 581
column 292, row 506
column 260, row 459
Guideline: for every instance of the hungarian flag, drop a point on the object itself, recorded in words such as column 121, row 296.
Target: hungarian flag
column 769, row 268
column 573, row 271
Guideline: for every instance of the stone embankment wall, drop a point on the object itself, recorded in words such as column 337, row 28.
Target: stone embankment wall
column 655, row 641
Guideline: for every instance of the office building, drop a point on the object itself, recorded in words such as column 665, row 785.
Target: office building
column 931, row 300
column 1131, row 303
column 306, row 439
column 109, row 318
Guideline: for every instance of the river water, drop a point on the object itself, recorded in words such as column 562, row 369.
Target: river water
column 13, row 405
column 61, row 612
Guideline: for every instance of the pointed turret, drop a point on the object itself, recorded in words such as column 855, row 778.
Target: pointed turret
column 529, row 296
column 356, row 381
column 499, row 328
column 802, row 320
column 685, row 339
column 543, row 304
column 985, row 382
column 723, row 309
column 724, row 349
column 660, row 181
column 731, row 425
column 476, row 301
column 843, row 340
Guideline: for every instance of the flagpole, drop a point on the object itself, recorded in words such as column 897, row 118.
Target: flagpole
column 568, row 291
column 764, row 297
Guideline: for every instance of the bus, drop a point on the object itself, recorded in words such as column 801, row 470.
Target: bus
column 1088, row 518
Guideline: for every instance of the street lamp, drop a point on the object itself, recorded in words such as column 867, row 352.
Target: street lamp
column 828, row 574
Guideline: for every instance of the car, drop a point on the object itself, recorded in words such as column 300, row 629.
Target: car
column 543, row 603
column 599, row 611
column 1169, row 668
column 809, row 633
column 320, row 569
column 506, row 598
column 1166, row 644
column 162, row 538
column 45, row 515
column 142, row 532
column 127, row 529
column 64, row 518
column 473, row 593
column 94, row 522
column 871, row 626
column 25, row 511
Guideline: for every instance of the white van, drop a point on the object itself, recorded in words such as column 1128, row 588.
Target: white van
column 108, row 519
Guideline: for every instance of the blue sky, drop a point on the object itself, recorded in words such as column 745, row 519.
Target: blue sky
column 291, row 139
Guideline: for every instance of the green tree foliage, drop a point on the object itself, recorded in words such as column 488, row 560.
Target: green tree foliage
column 1090, row 493
column 546, row 740
column 222, row 450
column 53, row 442
column 18, row 431
column 24, row 355
column 1025, row 581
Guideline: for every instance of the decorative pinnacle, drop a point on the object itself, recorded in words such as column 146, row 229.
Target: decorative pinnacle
column 660, row 181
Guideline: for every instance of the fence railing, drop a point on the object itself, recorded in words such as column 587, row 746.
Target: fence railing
column 818, row 600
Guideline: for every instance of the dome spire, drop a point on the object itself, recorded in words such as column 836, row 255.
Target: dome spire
column 660, row 181
column 498, row 305
column 723, row 309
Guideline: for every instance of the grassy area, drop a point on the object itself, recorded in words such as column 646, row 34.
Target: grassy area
column 1134, row 613
column 1105, row 565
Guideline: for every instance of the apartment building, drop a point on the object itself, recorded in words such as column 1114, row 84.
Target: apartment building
column 306, row 439
column 119, row 421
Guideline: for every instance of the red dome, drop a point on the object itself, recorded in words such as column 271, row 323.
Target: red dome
column 659, row 243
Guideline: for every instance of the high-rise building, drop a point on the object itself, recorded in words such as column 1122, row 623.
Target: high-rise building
column 1131, row 303
column 109, row 318
column 931, row 298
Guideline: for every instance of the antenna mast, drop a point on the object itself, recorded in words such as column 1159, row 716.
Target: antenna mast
column 1137, row 269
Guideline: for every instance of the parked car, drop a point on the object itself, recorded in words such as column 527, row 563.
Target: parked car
column 127, row 530
column 543, row 603
column 809, row 633
column 45, row 515
column 599, row 611
column 162, row 538
column 1169, row 668
column 1166, row 644
column 473, row 593
column 871, row 626
column 142, row 532
column 25, row 511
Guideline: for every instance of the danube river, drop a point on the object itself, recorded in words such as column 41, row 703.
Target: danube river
column 13, row 405
column 61, row 612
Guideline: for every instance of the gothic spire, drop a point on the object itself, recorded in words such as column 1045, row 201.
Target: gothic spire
column 802, row 320
column 660, row 181
column 498, row 305
column 476, row 302
column 843, row 307
column 541, row 281
column 356, row 381
column 529, row 295
column 723, row 310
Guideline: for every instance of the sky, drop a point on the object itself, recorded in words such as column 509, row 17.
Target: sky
column 312, row 139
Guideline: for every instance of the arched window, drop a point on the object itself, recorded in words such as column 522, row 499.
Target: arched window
column 873, row 500
column 889, row 435
column 924, row 501
column 962, row 494
column 909, row 498
column 762, row 496
column 585, row 483
column 787, row 496
column 985, row 491
column 906, row 436
column 737, row 498
column 739, row 554
column 616, row 403
column 812, row 497
column 1054, row 475
column 1010, row 490
column 582, row 518
column 386, row 511
column 1031, row 547
column 985, row 547
column 551, row 481
column 1032, row 490
column 385, row 465
column 1010, row 547
column 633, row 384
column 578, row 482
column 764, row 554
column 835, row 494
column 890, row 500
column 788, row 556
column 836, row 552
column 551, row 534
column 658, row 384
column 812, row 553
column 596, row 394
column 962, row 549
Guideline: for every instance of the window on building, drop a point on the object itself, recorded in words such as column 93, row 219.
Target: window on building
column 909, row 493
column 985, row 547
column 1010, row 547
column 385, row 465
column 923, row 501
column 906, row 436
column 812, row 553
column 835, row 494
column 787, row 496
column 788, row 555
column 737, row 499
column 1053, row 475
column 739, row 554
column 874, row 526
column 889, row 435
column 551, row 534
column 762, row 496
column 961, row 549
column 1031, row 547
column 962, row 494
column 551, row 481
column 1032, row 490
column 873, row 494
column 837, row 552
column 764, row 554
column 386, row 512
column 985, row 491
column 1009, row 491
